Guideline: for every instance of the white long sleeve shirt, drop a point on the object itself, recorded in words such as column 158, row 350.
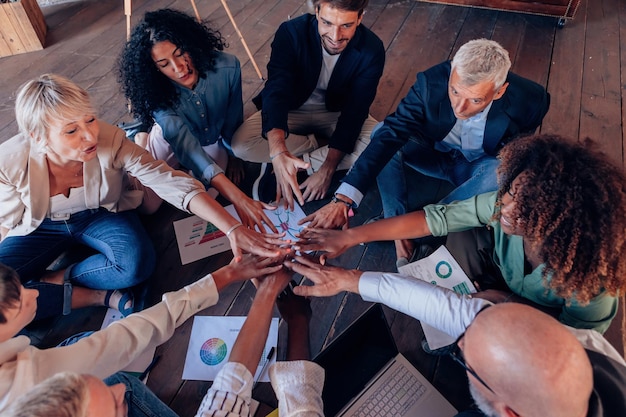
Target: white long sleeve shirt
column 297, row 384
column 448, row 311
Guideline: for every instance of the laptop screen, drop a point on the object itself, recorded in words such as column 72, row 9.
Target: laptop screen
column 354, row 357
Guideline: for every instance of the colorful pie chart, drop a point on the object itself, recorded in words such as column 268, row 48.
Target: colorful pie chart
column 213, row 351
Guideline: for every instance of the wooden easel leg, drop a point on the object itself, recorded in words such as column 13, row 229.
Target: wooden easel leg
column 232, row 20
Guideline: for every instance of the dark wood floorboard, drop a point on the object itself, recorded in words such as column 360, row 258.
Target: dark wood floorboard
column 583, row 66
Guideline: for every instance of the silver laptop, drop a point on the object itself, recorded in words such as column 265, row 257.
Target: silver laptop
column 366, row 375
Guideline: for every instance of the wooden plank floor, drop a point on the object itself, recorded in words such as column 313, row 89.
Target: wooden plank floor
column 582, row 65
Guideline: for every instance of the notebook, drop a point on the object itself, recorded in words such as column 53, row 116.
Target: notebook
column 366, row 375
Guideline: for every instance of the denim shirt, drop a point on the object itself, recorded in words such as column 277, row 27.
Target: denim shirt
column 209, row 113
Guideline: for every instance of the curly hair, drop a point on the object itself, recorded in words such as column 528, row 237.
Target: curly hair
column 142, row 83
column 571, row 206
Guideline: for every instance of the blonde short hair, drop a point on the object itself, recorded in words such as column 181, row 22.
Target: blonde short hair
column 482, row 60
column 48, row 98
column 65, row 394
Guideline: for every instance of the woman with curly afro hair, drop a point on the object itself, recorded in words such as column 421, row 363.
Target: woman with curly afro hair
column 552, row 236
column 179, row 81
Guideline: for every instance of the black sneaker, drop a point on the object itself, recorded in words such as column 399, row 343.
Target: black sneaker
column 264, row 187
column 419, row 252
column 444, row 350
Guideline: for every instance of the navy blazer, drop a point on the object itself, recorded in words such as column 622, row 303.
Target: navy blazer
column 426, row 114
column 294, row 68
column 609, row 385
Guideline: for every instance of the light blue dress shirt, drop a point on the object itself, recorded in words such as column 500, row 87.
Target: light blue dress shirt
column 467, row 136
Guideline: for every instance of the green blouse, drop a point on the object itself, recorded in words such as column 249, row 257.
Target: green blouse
column 508, row 254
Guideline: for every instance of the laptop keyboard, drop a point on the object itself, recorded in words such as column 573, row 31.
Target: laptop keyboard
column 395, row 395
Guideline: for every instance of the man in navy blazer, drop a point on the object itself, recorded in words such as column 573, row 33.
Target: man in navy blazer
column 322, row 78
column 450, row 126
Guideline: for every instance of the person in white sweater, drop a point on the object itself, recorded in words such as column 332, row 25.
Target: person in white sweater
column 297, row 382
column 107, row 351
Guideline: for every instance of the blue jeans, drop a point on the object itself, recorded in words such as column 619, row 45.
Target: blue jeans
column 469, row 178
column 141, row 401
column 124, row 253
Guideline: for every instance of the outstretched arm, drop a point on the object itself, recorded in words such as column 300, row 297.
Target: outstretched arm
column 297, row 382
column 249, row 345
column 433, row 305
column 97, row 354
column 250, row 211
column 241, row 238
column 335, row 242
column 296, row 311
column 231, row 391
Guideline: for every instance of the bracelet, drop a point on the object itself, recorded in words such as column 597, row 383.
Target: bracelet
column 232, row 229
column 335, row 199
column 279, row 153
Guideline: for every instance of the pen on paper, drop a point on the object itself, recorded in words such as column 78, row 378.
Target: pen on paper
column 268, row 359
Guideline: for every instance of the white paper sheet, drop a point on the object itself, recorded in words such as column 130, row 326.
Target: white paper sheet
column 198, row 239
column 211, row 340
column 440, row 268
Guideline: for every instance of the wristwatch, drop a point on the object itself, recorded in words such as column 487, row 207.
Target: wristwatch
column 336, row 199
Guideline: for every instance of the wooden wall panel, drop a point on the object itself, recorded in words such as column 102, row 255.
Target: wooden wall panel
column 22, row 27
column 565, row 8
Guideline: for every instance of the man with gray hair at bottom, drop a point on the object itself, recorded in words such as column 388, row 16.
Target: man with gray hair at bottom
column 450, row 126
column 531, row 365
column 519, row 361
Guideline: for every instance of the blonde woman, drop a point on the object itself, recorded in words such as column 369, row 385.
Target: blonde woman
column 63, row 181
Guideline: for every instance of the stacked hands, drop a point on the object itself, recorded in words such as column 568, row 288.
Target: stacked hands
column 274, row 272
column 247, row 239
column 327, row 280
column 317, row 236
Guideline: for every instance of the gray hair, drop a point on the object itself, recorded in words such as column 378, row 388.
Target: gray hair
column 46, row 99
column 63, row 395
column 482, row 60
